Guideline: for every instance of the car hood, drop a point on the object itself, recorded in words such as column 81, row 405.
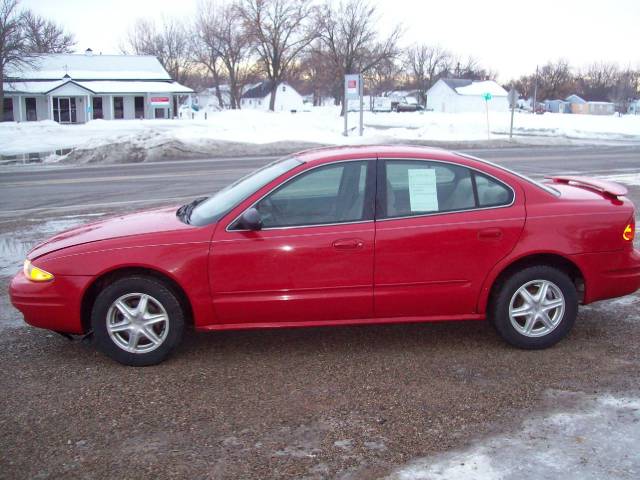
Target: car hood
column 135, row 224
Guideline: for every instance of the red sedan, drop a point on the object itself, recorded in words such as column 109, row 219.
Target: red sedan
column 341, row 236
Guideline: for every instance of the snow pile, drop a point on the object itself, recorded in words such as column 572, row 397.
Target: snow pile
column 322, row 125
column 599, row 440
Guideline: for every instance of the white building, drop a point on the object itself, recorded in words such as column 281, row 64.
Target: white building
column 207, row 99
column 634, row 107
column 258, row 97
column 457, row 95
column 76, row 88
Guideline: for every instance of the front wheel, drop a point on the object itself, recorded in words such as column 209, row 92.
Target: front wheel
column 137, row 321
column 535, row 308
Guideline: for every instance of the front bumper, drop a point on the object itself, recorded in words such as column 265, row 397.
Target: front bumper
column 53, row 305
column 609, row 274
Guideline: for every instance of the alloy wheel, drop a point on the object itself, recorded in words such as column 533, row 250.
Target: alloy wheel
column 137, row 323
column 536, row 308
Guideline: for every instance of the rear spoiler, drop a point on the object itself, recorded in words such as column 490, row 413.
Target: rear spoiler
column 610, row 188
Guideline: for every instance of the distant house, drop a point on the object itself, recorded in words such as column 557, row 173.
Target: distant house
column 76, row 88
column 557, row 106
column 458, row 95
column 581, row 106
column 258, row 97
column 601, row 108
column 577, row 104
column 634, row 107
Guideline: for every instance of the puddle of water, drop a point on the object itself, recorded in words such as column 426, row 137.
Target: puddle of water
column 15, row 245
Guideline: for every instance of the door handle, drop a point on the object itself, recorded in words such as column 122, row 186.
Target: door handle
column 348, row 243
column 490, row 234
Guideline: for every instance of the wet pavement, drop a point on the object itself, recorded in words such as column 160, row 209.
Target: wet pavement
column 446, row 400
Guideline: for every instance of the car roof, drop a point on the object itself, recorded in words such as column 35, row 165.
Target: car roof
column 327, row 154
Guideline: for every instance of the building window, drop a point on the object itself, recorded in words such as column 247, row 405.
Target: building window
column 118, row 107
column 96, row 106
column 8, row 110
column 30, row 106
column 284, row 88
column 139, row 107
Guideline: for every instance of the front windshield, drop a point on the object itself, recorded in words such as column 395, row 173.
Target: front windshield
column 220, row 203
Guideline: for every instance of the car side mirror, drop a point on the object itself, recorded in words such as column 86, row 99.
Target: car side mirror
column 251, row 219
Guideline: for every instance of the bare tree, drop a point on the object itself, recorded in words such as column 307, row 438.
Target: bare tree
column 44, row 36
column 316, row 72
column 225, row 44
column 425, row 64
column 279, row 31
column 350, row 35
column 597, row 81
column 12, row 43
column 170, row 43
column 383, row 76
column 206, row 45
column 555, row 80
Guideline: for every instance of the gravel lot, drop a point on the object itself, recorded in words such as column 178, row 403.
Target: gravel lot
column 349, row 403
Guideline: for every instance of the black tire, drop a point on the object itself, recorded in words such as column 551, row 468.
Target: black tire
column 499, row 307
column 160, row 294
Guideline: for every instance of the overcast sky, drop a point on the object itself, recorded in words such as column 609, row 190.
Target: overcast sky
column 508, row 36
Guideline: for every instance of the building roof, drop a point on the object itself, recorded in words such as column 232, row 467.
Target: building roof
column 260, row 90
column 575, row 99
column 454, row 83
column 480, row 88
column 464, row 86
column 97, row 86
column 91, row 67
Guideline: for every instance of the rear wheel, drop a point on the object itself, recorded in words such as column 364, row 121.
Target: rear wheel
column 535, row 308
column 137, row 321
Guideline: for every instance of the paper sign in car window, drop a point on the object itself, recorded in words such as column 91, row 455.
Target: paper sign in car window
column 423, row 195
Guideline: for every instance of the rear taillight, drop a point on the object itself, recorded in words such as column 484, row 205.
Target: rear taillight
column 629, row 231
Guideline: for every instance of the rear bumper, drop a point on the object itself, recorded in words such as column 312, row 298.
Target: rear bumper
column 52, row 305
column 609, row 274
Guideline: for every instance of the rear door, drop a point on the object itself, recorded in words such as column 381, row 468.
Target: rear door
column 313, row 259
column 440, row 228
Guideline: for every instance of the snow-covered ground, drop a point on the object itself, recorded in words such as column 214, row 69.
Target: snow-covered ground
column 598, row 439
column 322, row 125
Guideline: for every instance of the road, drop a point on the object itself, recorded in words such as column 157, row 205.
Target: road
column 46, row 189
column 347, row 403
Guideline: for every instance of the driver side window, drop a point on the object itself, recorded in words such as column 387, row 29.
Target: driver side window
column 324, row 195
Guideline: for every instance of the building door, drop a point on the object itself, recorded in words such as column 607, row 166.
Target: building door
column 139, row 107
column 64, row 109
column 8, row 110
column 30, row 106
column 96, row 106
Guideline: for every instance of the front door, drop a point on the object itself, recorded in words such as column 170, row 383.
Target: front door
column 441, row 227
column 64, row 109
column 30, row 107
column 312, row 260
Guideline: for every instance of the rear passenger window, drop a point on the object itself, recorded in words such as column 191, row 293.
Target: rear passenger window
column 492, row 193
column 415, row 187
column 418, row 187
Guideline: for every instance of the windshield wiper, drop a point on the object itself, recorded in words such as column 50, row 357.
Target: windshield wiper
column 184, row 212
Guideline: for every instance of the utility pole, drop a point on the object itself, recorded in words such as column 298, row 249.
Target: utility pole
column 535, row 91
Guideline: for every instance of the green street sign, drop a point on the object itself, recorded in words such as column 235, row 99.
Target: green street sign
column 487, row 96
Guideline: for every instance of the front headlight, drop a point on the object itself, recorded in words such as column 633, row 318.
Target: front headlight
column 35, row 274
